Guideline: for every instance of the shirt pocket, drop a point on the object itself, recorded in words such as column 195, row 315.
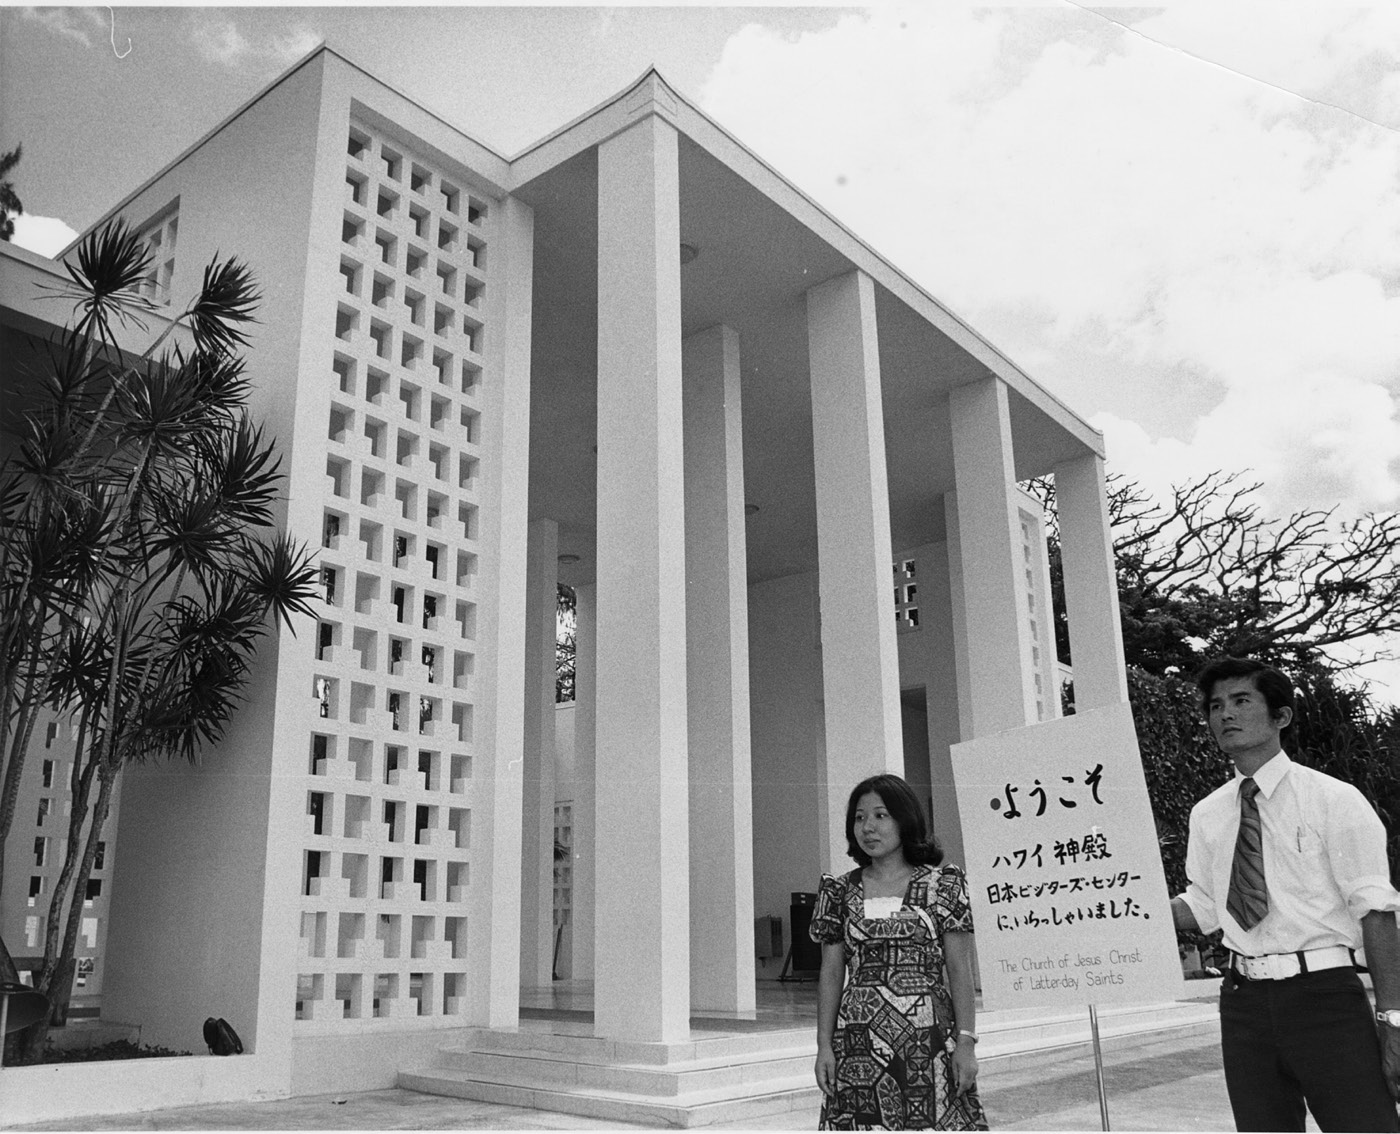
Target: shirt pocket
column 1304, row 844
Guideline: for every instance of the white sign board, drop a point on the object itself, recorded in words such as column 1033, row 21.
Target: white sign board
column 1069, row 902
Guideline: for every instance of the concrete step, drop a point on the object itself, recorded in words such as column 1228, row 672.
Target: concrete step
column 697, row 1108
column 1010, row 1032
column 516, row 1069
column 540, row 1042
column 724, row 1077
column 714, row 1078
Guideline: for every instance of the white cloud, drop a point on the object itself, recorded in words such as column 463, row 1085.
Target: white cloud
column 1154, row 463
column 79, row 24
column 222, row 41
column 45, row 235
column 1132, row 221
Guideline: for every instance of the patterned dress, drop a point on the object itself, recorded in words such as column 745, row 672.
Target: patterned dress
column 894, row 1065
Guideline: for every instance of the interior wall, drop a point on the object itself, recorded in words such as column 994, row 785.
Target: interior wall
column 787, row 740
column 927, row 660
column 914, row 717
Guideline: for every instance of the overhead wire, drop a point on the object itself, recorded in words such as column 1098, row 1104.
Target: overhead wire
column 1103, row 15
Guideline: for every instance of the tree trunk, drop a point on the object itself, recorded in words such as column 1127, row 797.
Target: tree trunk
column 80, row 792
column 61, row 990
column 29, row 705
column 55, row 978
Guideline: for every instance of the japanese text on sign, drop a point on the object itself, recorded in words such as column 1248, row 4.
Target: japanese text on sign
column 1065, row 875
column 1092, row 779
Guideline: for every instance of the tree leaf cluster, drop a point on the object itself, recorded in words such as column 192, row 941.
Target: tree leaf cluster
column 1206, row 574
column 140, row 564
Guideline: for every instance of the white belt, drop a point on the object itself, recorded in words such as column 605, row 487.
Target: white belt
column 1281, row 966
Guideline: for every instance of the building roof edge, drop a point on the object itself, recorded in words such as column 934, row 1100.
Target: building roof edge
column 203, row 139
column 593, row 112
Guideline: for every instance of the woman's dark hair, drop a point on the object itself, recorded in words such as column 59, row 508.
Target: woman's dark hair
column 903, row 806
column 1272, row 685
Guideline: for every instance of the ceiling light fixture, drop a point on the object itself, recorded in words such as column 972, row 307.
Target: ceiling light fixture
column 568, row 559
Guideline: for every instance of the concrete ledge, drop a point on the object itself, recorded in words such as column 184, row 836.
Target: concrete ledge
column 365, row 1061
column 54, row 1091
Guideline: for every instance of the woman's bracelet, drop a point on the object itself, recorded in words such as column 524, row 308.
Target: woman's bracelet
column 970, row 1035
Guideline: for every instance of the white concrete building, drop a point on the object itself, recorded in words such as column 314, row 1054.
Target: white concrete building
column 781, row 478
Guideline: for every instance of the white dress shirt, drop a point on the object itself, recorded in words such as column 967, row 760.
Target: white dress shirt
column 1324, row 861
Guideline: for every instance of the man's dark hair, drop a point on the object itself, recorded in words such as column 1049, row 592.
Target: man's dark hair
column 903, row 805
column 1275, row 687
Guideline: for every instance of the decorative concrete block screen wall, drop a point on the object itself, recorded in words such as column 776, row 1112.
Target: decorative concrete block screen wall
column 906, row 595
column 159, row 235
column 389, row 792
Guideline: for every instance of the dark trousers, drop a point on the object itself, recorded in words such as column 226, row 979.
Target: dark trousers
column 1310, row 1038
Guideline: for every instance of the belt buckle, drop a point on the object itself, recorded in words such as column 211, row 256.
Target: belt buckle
column 1271, row 966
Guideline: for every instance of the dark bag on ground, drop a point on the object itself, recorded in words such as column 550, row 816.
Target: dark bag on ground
column 221, row 1037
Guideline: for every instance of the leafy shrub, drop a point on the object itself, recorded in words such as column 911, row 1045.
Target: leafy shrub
column 117, row 1049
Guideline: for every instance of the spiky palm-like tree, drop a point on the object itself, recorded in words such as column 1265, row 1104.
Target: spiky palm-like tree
column 139, row 561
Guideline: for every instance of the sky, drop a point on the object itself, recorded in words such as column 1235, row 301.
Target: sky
column 1183, row 221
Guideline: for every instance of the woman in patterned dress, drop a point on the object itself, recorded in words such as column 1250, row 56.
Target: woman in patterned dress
column 896, row 1029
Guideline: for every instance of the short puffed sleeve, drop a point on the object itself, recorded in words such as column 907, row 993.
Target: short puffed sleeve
column 828, row 916
column 950, row 902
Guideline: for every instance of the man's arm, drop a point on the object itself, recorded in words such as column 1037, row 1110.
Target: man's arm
column 1382, row 941
column 1183, row 919
column 1194, row 909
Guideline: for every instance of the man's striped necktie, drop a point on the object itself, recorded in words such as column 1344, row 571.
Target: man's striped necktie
column 1248, row 900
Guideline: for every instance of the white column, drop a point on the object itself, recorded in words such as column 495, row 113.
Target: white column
column 585, row 724
column 860, row 660
column 717, row 669
column 1091, row 584
column 537, row 788
column 494, row 939
column 995, row 632
column 642, row 933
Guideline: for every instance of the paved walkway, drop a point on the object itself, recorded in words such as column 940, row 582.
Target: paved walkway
column 1158, row 1081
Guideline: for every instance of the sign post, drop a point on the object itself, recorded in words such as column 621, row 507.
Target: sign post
column 1064, row 869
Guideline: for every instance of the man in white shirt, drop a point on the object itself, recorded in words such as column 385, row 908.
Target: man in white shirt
column 1291, row 864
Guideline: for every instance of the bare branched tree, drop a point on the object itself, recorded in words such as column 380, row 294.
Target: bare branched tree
column 565, row 643
column 10, row 206
column 1207, row 573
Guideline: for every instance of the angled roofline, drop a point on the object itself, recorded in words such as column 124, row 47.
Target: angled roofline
column 321, row 48
column 596, row 110
column 617, row 113
column 612, row 116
